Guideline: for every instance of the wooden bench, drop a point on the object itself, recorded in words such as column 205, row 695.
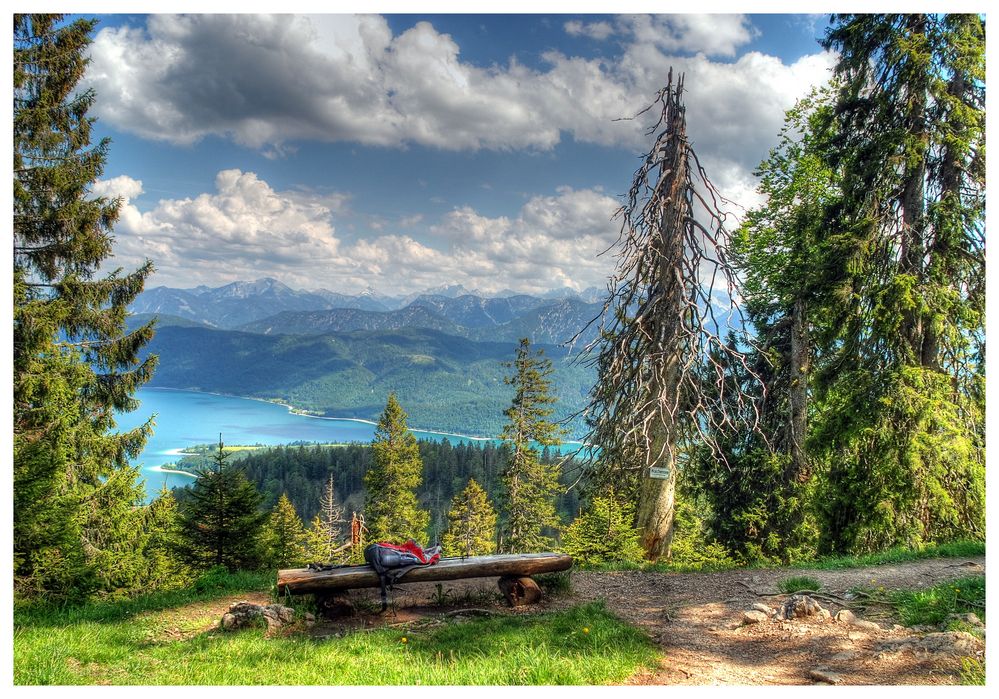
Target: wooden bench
column 513, row 570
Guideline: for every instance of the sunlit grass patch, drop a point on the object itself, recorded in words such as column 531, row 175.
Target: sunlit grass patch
column 582, row 645
column 933, row 605
column 799, row 583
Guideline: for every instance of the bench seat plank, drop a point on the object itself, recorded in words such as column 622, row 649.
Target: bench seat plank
column 305, row 581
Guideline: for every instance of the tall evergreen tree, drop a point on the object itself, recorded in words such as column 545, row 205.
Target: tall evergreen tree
column 164, row 567
column 284, row 536
column 530, row 486
column 900, row 423
column 74, row 363
column 391, row 511
column 760, row 493
column 221, row 518
column 471, row 524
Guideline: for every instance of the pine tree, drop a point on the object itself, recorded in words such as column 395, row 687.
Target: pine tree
column 164, row 568
column 325, row 535
column 284, row 536
column 605, row 532
column 391, row 511
column 530, row 486
column 900, row 415
column 74, row 363
column 221, row 518
column 471, row 524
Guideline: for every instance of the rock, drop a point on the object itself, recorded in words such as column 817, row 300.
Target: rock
column 753, row 616
column 822, row 675
column 957, row 643
column 760, row 607
column 798, row 606
column 243, row 615
column 971, row 619
column 864, row 624
column 824, row 615
column 845, row 616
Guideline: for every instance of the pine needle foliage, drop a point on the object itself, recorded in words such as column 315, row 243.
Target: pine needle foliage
column 74, row 363
column 530, row 486
column 391, row 510
column 604, row 532
column 900, row 406
column 221, row 518
column 471, row 523
column 284, row 536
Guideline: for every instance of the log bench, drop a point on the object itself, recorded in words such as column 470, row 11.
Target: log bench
column 513, row 570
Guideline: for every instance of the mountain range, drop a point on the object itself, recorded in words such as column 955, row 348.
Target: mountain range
column 240, row 303
column 337, row 355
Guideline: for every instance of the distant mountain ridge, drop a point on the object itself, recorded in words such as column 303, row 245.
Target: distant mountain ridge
column 268, row 306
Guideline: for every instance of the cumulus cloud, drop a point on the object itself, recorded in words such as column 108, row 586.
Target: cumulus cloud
column 265, row 81
column 230, row 233
column 245, row 230
column 594, row 30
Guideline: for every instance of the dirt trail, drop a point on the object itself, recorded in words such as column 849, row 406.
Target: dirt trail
column 696, row 621
column 695, row 618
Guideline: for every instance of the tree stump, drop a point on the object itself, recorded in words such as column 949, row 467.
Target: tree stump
column 333, row 605
column 519, row 590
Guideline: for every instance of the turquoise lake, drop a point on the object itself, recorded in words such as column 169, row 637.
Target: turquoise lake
column 187, row 418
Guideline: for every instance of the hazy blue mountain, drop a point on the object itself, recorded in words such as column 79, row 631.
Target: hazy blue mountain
column 444, row 382
column 351, row 319
column 476, row 311
column 230, row 305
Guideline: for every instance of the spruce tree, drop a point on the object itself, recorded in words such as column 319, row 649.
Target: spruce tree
column 164, row 568
column 284, row 536
column 530, row 486
column 605, row 532
column 74, row 363
column 221, row 518
column 900, row 415
column 391, row 510
column 471, row 524
column 325, row 535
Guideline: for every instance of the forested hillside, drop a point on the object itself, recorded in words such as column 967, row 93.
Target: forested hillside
column 301, row 472
column 447, row 383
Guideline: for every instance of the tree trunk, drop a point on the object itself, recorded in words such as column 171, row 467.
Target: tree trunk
column 913, row 241
column 800, row 361
column 656, row 503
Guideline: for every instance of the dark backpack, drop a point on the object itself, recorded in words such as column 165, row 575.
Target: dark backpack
column 392, row 561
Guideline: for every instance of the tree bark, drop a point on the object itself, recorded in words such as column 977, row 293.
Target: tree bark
column 656, row 504
column 800, row 365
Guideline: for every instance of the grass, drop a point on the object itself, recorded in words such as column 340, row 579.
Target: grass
column 798, row 583
column 953, row 549
column 932, row 606
column 161, row 639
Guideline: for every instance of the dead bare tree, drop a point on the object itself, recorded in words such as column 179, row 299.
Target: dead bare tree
column 661, row 352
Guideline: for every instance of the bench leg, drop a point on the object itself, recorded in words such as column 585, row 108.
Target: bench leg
column 519, row 590
column 333, row 605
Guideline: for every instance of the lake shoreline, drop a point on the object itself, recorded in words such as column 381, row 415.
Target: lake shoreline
column 299, row 412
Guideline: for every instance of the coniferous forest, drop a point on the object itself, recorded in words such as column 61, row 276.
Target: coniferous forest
column 844, row 413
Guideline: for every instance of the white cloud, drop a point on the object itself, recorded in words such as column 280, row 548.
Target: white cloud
column 246, row 230
column 711, row 35
column 594, row 30
column 265, row 81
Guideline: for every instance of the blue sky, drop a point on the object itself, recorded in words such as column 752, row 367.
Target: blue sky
column 408, row 151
